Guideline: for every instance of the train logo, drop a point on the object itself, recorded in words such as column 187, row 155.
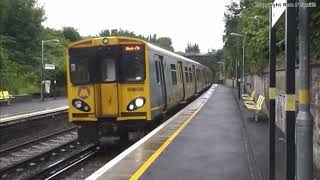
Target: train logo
column 83, row 92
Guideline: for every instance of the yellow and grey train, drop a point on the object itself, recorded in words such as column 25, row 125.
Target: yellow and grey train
column 119, row 84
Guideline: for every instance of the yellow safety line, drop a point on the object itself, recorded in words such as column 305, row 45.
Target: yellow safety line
column 155, row 155
column 155, row 108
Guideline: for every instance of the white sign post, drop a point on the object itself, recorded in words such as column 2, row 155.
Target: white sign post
column 278, row 8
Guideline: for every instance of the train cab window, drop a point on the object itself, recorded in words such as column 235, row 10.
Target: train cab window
column 108, row 70
column 157, row 64
column 173, row 73
column 133, row 63
column 186, row 74
column 80, row 72
column 190, row 72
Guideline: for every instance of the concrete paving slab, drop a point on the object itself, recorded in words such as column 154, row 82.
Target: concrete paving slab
column 211, row 146
column 31, row 106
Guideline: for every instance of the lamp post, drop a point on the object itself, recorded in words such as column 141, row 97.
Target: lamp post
column 42, row 65
column 223, row 69
column 243, row 42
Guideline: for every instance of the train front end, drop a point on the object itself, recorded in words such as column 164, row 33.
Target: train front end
column 108, row 92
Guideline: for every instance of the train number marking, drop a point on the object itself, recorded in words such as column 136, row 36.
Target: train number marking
column 135, row 89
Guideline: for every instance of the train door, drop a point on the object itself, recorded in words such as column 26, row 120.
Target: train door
column 181, row 78
column 205, row 77
column 108, row 89
column 163, row 81
column 195, row 78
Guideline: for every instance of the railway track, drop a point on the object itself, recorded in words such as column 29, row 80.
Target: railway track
column 50, row 156
column 16, row 155
column 19, row 131
column 49, row 163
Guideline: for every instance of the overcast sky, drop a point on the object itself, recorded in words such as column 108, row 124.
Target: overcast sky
column 196, row 21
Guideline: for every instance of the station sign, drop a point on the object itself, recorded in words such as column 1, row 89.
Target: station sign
column 50, row 66
column 278, row 8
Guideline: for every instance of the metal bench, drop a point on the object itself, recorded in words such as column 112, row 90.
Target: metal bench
column 247, row 97
column 6, row 97
column 255, row 106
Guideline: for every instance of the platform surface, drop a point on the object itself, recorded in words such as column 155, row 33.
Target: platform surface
column 211, row 146
column 205, row 140
column 31, row 106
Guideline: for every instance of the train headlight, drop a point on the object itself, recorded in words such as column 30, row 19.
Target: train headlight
column 105, row 40
column 131, row 106
column 80, row 105
column 136, row 103
column 139, row 102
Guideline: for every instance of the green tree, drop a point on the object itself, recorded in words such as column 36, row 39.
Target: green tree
column 71, row 34
column 152, row 39
column 192, row 48
column 104, row 33
column 165, row 42
column 231, row 50
column 20, row 31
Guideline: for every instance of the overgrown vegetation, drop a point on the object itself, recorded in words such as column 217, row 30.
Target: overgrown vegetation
column 252, row 21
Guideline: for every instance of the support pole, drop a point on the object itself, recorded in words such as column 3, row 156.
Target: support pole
column 304, row 122
column 243, row 81
column 237, row 71
column 290, row 99
column 42, row 73
column 272, row 95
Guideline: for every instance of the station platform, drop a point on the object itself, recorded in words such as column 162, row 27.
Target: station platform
column 32, row 107
column 205, row 140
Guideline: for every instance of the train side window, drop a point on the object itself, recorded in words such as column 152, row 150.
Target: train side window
column 173, row 73
column 186, row 74
column 157, row 71
column 190, row 72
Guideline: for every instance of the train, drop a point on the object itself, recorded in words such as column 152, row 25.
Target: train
column 120, row 84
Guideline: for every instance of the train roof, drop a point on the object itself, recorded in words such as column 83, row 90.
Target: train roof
column 124, row 38
column 171, row 53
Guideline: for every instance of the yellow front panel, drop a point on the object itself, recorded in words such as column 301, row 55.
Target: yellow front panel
column 109, row 99
column 84, row 93
column 128, row 93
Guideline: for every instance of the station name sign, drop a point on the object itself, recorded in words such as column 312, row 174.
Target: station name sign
column 49, row 66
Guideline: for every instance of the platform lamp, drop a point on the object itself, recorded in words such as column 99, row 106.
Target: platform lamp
column 42, row 64
column 243, row 42
column 223, row 69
